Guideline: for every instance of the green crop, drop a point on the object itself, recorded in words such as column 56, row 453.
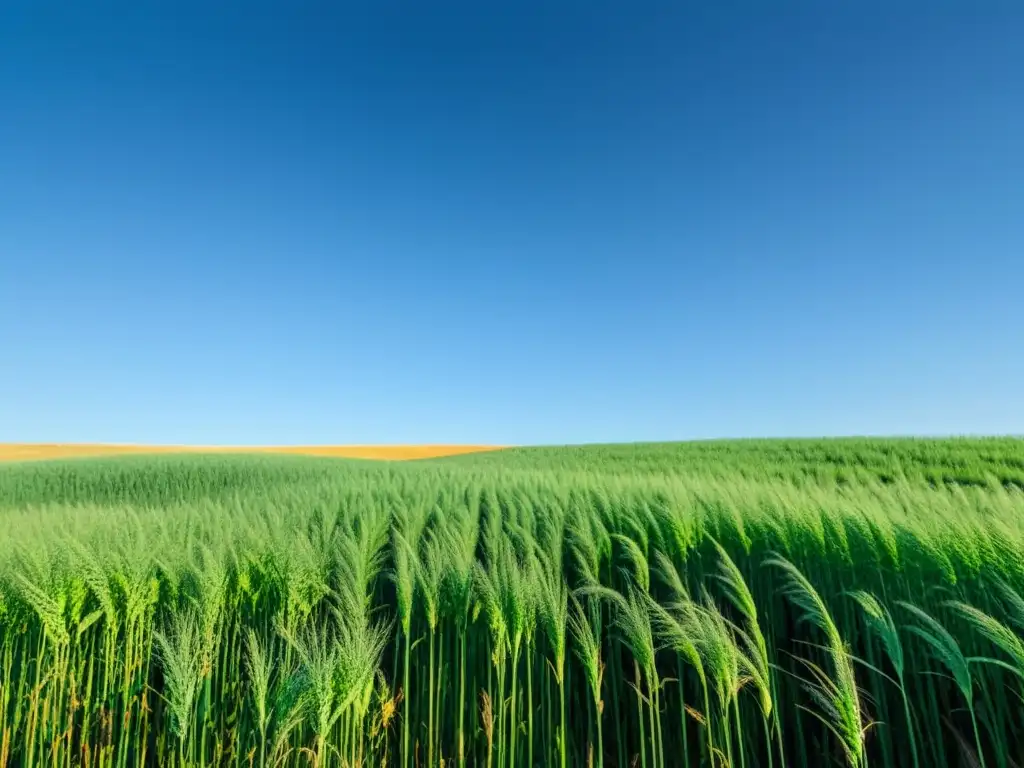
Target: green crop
column 730, row 603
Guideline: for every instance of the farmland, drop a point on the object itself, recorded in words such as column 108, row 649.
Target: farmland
column 736, row 603
column 28, row 451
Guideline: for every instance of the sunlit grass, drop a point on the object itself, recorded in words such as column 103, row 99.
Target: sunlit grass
column 797, row 603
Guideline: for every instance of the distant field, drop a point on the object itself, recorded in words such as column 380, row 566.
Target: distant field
column 26, row 451
column 727, row 604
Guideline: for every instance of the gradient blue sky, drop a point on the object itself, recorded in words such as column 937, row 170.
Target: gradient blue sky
column 521, row 222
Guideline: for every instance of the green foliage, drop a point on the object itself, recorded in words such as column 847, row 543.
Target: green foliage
column 602, row 604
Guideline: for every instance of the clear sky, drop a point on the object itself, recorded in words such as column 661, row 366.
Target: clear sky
column 509, row 222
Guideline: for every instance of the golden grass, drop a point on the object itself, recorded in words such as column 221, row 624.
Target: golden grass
column 27, row 451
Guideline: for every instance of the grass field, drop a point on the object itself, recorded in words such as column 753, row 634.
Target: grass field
column 738, row 603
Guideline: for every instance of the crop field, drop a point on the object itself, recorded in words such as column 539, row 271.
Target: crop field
column 737, row 603
column 26, row 451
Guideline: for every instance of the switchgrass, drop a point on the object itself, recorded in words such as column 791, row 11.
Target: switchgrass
column 790, row 603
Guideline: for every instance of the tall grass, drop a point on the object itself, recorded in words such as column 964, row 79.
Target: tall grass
column 754, row 603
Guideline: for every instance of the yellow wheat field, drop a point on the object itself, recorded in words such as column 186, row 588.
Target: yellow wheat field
column 27, row 451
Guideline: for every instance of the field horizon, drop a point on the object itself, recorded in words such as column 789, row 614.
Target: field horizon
column 43, row 451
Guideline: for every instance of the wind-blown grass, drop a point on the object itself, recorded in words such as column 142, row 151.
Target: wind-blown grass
column 606, row 606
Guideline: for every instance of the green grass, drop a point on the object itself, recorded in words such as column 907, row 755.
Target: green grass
column 744, row 603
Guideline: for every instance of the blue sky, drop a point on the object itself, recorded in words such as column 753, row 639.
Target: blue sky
column 522, row 222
